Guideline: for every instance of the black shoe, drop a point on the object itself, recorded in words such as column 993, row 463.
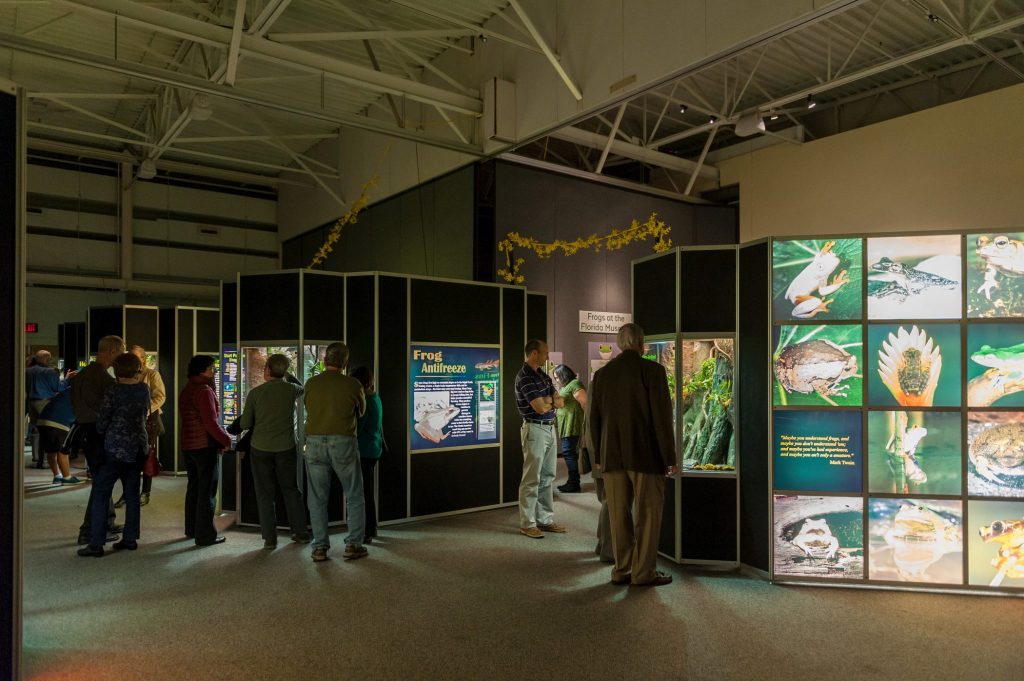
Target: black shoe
column 125, row 544
column 91, row 552
column 83, row 539
column 569, row 488
column 216, row 540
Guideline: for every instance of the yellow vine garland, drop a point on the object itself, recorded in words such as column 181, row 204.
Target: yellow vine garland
column 615, row 240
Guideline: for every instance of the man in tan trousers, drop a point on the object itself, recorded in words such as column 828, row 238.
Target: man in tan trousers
column 634, row 447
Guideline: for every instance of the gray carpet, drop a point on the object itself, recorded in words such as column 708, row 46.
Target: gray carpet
column 464, row 597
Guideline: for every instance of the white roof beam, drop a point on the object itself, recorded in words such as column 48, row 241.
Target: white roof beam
column 476, row 28
column 236, row 40
column 252, row 138
column 339, row 36
column 633, row 151
column 611, row 138
column 90, row 95
column 539, row 39
column 96, row 116
column 359, row 76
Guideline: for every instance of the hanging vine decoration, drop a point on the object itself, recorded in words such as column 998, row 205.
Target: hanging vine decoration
column 616, row 239
column 347, row 219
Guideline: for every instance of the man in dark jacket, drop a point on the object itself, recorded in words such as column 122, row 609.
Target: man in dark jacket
column 634, row 446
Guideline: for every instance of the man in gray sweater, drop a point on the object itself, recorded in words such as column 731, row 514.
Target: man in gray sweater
column 270, row 413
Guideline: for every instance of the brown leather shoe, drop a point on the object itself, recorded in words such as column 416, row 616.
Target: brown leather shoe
column 660, row 579
column 553, row 527
column 531, row 532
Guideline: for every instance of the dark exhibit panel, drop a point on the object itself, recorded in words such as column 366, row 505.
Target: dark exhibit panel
column 12, row 399
column 392, row 384
column 685, row 300
column 185, row 331
column 754, row 351
column 513, row 314
column 276, row 313
column 71, row 347
column 135, row 324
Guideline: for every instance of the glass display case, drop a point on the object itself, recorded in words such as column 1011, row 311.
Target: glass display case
column 254, row 360
column 664, row 353
column 706, row 405
column 312, row 361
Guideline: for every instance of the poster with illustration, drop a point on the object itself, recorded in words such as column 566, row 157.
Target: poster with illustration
column 817, row 451
column 454, row 400
column 914, row 277
column 915, row 540
column 819, row 536
column 995, row 543
column 995, row 274
column 818, row 365
column 599, row 354
column 995, row 365
column 913, row 366
column 818, row 279
column 995, row 453
column 914, row 452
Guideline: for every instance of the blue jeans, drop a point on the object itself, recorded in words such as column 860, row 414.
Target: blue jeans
column 339, row 453
column 99, row 499
column 571, row 461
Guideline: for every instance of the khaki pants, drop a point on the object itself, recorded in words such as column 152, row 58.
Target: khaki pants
column 635, row 531
column 536, row 504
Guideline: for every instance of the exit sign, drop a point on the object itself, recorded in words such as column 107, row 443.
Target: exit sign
column 31, row 327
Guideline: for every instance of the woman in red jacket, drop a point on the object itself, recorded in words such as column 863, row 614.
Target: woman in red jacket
column 202, row 440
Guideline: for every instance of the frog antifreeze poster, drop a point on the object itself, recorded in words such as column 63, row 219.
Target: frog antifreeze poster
column 819, row 279
column 454, row 400
column 995, row 274
column 913, row 366
column 818, row 365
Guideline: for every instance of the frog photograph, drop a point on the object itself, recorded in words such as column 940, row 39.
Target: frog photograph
column 914, row 277
column 995, row 544
column 995, row 453
column 817, row 278
column 995, row 274
column 708, row 417
column 817, row 536
column 915, row 540
column 914, row 452
column 914, row 366
column 818, row 365
column 995, row 365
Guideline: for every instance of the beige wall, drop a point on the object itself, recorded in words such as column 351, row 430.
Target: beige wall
column 952, row 167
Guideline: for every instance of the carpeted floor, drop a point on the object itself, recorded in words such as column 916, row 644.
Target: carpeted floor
column 464, row 597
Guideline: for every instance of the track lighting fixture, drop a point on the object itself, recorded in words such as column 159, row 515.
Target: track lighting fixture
column 682, row 108
column 482, row 38
column 712, row 120
column 810, row 102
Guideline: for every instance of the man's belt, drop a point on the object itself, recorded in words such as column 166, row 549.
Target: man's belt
column 549, row 422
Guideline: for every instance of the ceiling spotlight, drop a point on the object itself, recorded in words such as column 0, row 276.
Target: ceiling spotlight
column 200, row 109
column 932, row 17
column 810, row 102
column 712, row 120
column 147, row 170
column 682, row 108
column 772, row 116
column 483, row 38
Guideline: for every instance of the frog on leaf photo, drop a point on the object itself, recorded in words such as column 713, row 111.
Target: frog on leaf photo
column 816, row 279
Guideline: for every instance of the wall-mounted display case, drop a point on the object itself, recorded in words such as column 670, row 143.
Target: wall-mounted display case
column 690, row 330
column 896, row 429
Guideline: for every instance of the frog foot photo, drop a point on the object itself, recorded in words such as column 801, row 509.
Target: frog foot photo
column 814, row 279
column 909, row 364
column 1003, row 256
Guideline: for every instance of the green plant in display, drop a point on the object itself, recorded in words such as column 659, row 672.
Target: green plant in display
column 817, row 278
column 818, row 366
column 707, row 423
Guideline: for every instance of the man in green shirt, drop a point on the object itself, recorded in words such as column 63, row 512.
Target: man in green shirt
column 270, row 413
column 334, row 402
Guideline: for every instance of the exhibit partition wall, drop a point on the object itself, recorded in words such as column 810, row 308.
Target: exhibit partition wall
column 897, row 427
column 71, row 347
column 296, row 313
column 12, row 263
column 685, row 301
column 135, row 324
column 185, row 331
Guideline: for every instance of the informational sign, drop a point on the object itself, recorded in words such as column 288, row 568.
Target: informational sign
column 818, row 450
column 229, row 383
column 592, row 321
column 454, row 396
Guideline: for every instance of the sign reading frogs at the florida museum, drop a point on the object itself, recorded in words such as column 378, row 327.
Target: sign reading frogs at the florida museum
column 454, row 396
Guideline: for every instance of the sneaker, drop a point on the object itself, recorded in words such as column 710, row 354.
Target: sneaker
column 143, row 498
column 319, row 554
column 71, row 481
column 301, row 538
column 58, row 479
column 553, row 527
column 352, row 551
column 531, row 532
column 270, row 544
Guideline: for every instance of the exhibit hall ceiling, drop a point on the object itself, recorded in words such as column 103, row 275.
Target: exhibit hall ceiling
column 244, row 89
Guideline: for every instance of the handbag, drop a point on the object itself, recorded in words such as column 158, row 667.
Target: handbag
column 151, row 466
